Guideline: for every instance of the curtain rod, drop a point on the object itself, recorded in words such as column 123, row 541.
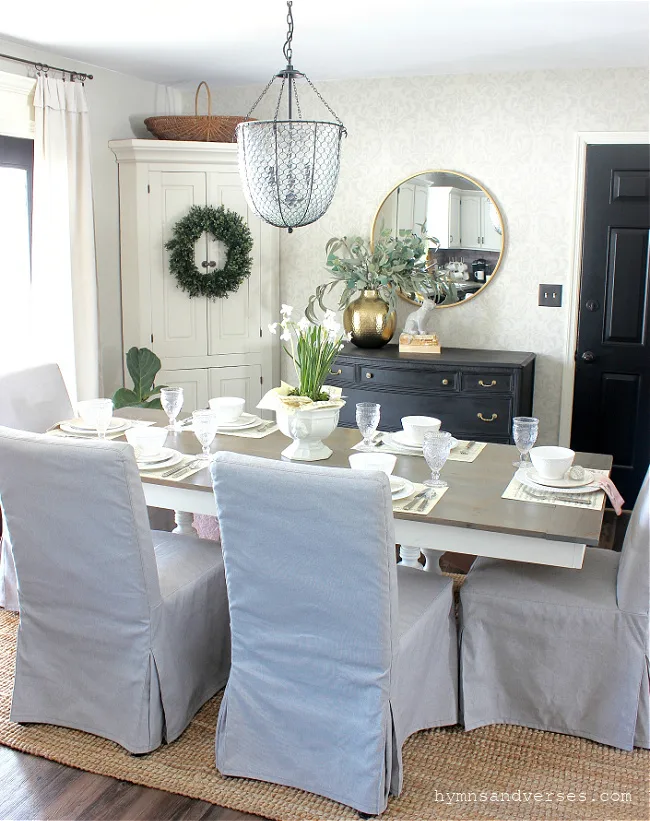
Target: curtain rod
column 45, row 68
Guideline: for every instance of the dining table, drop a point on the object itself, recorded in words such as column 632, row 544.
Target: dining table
column 470, row 518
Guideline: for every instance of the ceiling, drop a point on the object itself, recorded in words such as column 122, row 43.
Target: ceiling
column 239, row 42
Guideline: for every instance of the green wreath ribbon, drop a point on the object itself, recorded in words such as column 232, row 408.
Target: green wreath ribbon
column 227, row 227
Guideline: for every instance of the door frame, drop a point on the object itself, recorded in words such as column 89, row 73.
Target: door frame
column 583, row 140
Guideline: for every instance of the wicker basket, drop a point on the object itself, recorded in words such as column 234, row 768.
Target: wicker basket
column 198, row 127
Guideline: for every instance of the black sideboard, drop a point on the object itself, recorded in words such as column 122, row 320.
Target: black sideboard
column 476, row 394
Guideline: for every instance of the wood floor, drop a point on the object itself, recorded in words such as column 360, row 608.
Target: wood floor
column 34, row 789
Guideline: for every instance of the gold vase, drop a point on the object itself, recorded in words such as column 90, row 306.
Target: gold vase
column 369, row 320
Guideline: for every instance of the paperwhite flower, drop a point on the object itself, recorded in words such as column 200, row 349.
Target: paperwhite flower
column 304, row 324
column 273, row 328
column 286, row 310
column 285, row 336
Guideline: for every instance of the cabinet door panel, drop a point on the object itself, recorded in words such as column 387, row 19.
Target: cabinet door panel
column 237, row 380
column 234, row 323
column 470, row 221
column 405, row 205
column 454, row 220
column 194, row 383
column 178, row 322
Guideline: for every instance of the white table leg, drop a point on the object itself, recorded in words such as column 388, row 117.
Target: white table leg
column 184, row 524
column 409, row 556
column 432, row 563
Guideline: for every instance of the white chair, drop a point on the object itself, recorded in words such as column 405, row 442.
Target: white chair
column 338, row 655
column 559, row 649
column 32, row 399
column 124, row 631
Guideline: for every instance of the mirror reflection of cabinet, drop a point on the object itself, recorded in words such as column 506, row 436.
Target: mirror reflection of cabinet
column 458, row 212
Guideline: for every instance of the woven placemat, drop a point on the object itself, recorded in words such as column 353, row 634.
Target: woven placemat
column 448, row 774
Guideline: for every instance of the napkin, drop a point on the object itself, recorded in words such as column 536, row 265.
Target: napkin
column 606, row 484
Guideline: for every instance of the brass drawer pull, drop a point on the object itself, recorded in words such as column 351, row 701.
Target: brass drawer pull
column 368, row 375
column 336, row 373
column 483, row 385
column 483, row 419
column 445, row 381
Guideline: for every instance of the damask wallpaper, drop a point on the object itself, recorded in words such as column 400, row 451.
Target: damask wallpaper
column 515, row 134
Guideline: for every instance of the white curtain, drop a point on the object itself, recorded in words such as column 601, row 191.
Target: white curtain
column 64, row 279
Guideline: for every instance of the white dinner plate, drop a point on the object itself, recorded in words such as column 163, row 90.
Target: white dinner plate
column 401, row 439
column 396, row 484
column 78, row 426
column 174, row 458
column 67, row 427
column 407, row 490
column 534, row 476
column 246, row 420
column 523, row 477
column 162, row 455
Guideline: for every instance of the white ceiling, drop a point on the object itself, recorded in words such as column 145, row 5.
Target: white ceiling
column 240, row 41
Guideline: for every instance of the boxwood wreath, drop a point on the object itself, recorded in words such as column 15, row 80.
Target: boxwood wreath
column 227, row 227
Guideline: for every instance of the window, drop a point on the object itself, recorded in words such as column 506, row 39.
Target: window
column 16, row 168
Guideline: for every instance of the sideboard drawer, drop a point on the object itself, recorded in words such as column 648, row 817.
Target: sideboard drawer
column 343, row 373
column 405, row 378
column 494, row 382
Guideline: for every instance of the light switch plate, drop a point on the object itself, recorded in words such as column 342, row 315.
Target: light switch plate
column 550, row 296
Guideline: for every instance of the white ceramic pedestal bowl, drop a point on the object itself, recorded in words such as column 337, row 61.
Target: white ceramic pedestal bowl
column 227, row 408
column 308, row 428
column 552, row 462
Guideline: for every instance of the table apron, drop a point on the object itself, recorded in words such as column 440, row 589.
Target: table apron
column 408, row 532
column 489, row 544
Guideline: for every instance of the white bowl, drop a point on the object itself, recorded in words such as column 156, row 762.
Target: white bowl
column 416, row 426
column 552, row 462
column 87, row 409
column 146, row 441
column 373, row 461
column 228, row 408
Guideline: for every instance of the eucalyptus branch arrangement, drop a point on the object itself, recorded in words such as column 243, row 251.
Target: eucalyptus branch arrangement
column 390, row 265
column 313, row 347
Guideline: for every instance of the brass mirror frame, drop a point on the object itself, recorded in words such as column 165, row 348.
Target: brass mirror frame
column 418, row 301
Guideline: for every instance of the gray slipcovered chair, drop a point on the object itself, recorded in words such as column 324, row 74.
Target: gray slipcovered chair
column 124, row 631
column 31, row 399
column 560, row 649
column 338, row 655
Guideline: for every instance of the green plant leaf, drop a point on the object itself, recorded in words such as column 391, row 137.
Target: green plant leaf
column 124, row 398
column 143, row 365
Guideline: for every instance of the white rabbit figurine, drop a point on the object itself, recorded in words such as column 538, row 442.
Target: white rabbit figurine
column 416, row 322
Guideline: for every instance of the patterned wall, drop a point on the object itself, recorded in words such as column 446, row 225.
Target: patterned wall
column 515, row 134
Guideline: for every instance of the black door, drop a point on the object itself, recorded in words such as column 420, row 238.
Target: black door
column 611, row 403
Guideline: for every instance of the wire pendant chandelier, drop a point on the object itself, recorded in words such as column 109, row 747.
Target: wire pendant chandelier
column 289, row 168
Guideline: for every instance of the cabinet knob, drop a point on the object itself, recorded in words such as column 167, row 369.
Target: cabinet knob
column 368, row 375
column 336, row 373
column 204, row 264
column 451, row 239
column 445, row 381
column 483, row 419
column 483, row 385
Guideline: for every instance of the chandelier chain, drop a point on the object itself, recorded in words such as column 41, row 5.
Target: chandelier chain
column 277, row 108
column 328, row 107
column 286, row 49
column 256, row 103
column 296, row 99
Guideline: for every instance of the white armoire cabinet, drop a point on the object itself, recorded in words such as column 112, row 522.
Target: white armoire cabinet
column 208, row 347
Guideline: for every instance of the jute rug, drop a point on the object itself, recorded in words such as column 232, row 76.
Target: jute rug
column 499, row 772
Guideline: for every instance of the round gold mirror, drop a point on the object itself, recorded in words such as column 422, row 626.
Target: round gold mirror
column 464, row 226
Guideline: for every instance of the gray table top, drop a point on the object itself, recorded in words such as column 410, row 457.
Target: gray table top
column 472, row 501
